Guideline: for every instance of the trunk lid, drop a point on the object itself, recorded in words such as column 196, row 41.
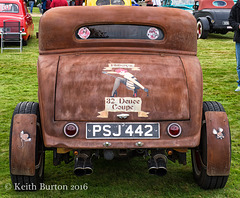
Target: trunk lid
column 221, row 14
column 98, row 87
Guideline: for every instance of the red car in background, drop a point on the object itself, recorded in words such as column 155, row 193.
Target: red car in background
column 17, row 10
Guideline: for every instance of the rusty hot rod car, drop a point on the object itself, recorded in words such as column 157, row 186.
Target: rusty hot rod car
column 115, row 84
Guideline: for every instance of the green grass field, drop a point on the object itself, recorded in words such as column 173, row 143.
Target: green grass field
column 122, row 178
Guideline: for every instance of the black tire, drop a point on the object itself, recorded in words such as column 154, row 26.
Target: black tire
column 199, row 155
column 21, row 181
column 202, row 33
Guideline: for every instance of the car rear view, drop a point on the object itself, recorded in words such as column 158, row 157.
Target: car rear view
column 116, row 85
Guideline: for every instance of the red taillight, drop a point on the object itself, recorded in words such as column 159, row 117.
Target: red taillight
column 174, row 130
column 70, row 130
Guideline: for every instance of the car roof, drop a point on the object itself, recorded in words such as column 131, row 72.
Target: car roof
column 59, row 35
column 208, row 4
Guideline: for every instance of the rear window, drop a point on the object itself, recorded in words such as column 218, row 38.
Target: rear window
column 219, row 3
column 119, row 32
column 9, row 7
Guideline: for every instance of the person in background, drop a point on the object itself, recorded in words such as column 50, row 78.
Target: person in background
column 31, row 4
column 44, row 2
column 78, row 2
column 57, row 3
column 68, row 1
column 48, row 4
column 71, row 3
column 234, row 20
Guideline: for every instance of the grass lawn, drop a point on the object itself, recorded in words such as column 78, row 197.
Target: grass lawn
column 128, row 178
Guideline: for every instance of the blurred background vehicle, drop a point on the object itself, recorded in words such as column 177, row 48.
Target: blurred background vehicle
column 16, row 10
column 212, row 16
column 181, row 4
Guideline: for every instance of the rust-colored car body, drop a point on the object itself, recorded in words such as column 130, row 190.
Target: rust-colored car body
column 66, row 64
column 23, row 153
column 114, row 84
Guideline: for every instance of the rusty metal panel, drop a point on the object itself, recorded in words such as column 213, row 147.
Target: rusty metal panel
column 218, row 144
column 76, row 89
column 23, row 144
column 85, row 84
column 53, row 38
column 53, row 130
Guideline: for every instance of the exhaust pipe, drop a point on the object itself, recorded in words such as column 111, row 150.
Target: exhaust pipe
column 83, row 165
column 157, row 165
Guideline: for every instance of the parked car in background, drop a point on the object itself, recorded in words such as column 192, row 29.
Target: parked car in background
column 107, row 2
column 16, row 10
column 212, row 16
column 181, row 4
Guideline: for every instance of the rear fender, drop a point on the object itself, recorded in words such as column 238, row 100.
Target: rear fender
column 205, row 23
column 218, row 144
column 23, row 144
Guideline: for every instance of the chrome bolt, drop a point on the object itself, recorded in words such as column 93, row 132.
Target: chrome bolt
column 139, row 144
column 107, row 144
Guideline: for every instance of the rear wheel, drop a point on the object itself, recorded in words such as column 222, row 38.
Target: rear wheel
column 20, row 182
column 199, row 155
column 202, row 33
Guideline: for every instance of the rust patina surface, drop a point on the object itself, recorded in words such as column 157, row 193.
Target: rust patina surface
column 218, row 143
column 76, row 78
column 23, row 144
column 119, row 82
